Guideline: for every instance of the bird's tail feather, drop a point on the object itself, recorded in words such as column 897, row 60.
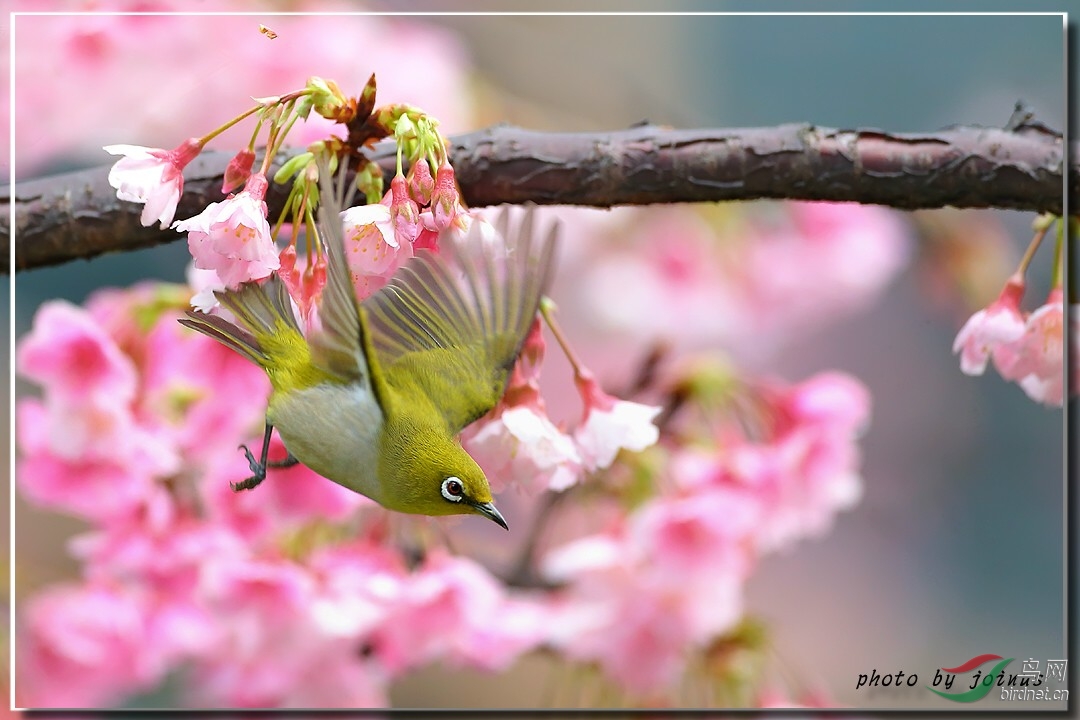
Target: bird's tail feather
column 261, row 311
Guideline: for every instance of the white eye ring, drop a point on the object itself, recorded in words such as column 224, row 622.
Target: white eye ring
column 452, row 489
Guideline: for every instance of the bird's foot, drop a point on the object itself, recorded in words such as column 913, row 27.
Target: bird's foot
column 258, row 468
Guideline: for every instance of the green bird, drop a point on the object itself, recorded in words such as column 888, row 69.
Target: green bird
column 375, row 399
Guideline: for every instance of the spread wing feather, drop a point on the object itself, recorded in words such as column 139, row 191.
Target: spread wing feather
column 454, row 322
column 337, row 347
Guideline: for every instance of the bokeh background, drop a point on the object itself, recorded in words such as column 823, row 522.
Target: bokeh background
column 957, row 547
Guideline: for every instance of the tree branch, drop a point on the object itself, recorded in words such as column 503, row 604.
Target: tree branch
column 77, row 215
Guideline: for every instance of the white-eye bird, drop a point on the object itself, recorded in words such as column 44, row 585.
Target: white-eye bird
column 375, row 399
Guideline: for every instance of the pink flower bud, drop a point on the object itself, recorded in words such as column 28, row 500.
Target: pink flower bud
column 314, row 280
column 421, row 184
column 446, row 198
column 288, row 272
column 404, row 214
column 532, row 351
column 238, row 170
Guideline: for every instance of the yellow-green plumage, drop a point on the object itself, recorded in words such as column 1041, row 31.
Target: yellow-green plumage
column 376, row 398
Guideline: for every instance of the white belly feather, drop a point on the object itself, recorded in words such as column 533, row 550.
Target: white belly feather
column 334, row 430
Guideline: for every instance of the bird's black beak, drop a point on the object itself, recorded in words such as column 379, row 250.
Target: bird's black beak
column 489, row 510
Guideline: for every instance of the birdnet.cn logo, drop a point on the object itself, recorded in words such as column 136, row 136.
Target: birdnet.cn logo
column 982, row 675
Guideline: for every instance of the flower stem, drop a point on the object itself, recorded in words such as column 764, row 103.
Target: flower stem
column 547, row 310
column 1042, row 225
column 217, row 131
column 255, row 133
column 277, row 136
column 1058, row 272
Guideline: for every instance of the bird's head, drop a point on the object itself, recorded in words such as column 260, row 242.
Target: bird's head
column 428, row 473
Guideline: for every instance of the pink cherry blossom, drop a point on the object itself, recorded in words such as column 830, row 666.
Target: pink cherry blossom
column 203, row 283
column 749, row 280
column 161, row 547
column 273, row 653
column 373, row 250
column 92, row 429
column 360, row 586
column 492, row 643
column 989, row 330
column 96, row 490
column 669, row 258
column 84, row 450
column 832, row 400
column 703, row 532
column 521, row 445
column 152, row 177
column 232, row 237
column 71, row 354
column 624, row 609
column 370, row 240
column 645, row 592
column 191, row 383
column 1036, row 360
column 804, row 467
column 611, row 425
column 83, row 646
column 469, row 227
column 453, row 608
column 101, row 483
column 125, row 313
column 814, row 262
column 160, row 552
column 801, row 469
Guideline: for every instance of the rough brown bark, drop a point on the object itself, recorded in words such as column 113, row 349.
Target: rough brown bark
column 77, row 215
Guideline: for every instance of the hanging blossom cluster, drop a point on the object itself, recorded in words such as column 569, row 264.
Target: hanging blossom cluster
column 1027, row 348
column 301, row 593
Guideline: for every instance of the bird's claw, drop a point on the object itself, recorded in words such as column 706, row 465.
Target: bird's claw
column 256, row 467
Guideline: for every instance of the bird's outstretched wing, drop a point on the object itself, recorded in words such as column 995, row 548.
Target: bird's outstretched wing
column 453, row 323
column 338, row 346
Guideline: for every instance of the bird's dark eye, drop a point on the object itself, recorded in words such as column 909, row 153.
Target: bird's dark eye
column 452, row 489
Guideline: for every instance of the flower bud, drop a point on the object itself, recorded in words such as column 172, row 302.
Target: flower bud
column 421, row 184
column 238, row 170
column 404, row 213
column 446, row 198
